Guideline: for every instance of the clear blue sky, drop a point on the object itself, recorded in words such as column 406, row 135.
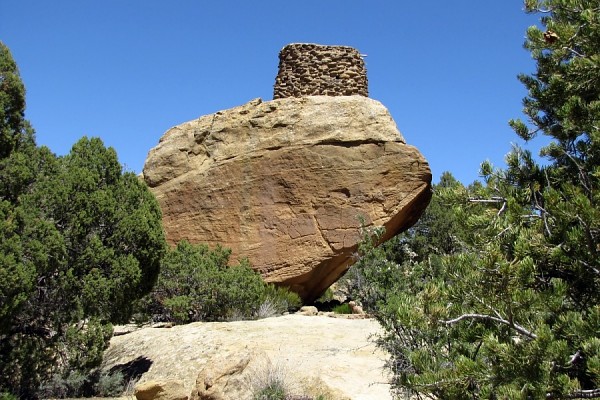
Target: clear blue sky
column 128, row 70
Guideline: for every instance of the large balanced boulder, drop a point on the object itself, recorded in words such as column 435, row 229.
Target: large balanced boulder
column 286, row 183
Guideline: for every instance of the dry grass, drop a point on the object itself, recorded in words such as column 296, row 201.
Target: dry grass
column 270, row 377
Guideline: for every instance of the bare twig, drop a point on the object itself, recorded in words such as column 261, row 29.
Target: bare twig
column 503, row 231
column 485, row 317
column 594, row 269
column 575, row 52
column 579, row 394
column 488, row 307
column 490, row 200
column 584, row 179
column 494, row 200
column 501, row 210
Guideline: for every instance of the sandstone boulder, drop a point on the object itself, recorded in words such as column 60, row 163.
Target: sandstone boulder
column 286, row 182
column 308, row 310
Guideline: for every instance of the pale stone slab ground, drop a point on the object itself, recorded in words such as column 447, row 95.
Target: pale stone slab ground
column 337, row 351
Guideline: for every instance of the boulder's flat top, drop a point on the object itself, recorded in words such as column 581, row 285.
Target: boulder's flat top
column 337, row 351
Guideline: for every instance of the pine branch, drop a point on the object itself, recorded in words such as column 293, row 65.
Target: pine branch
column 32, row 331
column 544, row 212
column 574, row 52
column 591, row 267
column 488, row 307
column 582, row 174
column 580, row 394
column 485, row 317
column 492, row 200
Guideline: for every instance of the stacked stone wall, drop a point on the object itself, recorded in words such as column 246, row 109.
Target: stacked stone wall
column 311, row 69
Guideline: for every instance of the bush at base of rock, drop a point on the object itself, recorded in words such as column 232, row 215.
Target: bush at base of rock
column 283, row 298
column 196, row 284
column 342, row 309
column 78, row 384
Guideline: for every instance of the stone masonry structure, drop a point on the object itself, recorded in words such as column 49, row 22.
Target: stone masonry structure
column 311, row 70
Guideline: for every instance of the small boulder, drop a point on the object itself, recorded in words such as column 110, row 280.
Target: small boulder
column 356, row 309
column 309, row 310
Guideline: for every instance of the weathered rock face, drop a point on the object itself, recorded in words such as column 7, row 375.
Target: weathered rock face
column 285, row 182
column 334, row 357
column 161, row 390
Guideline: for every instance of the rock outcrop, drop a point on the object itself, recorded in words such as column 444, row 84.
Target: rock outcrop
column 224, row 377
column 314, row 355
column 286, row 182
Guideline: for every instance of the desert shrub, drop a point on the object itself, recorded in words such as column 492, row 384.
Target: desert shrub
column 79, row 384
column 196, row 284
column 110, row 384
column 275, row 381
column 277, row 300
column 283, row 298
column 342, row 309
column 274, row 391
column 271, row 381
column 268, row 308
column 326, row 297
column 61, row 386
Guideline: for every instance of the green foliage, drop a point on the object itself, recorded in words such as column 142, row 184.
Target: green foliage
column 110, row 384
column 564, row 93
column 482, row 321
column 495, row 292
column 283, row 298
column 342, row 309
column 274, row 391
column 79, row 241
column 196, row 284
column 72, row 384
column 271, row 381
column 325, row 297
column 14, row 129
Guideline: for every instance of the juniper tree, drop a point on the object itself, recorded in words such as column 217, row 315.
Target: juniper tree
column 80, row 240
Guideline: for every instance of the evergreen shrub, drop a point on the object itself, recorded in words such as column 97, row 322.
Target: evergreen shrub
column 196, row 284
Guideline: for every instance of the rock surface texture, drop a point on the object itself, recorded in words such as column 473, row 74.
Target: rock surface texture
column 285, row 182
column 161, row 390
column 313, row 355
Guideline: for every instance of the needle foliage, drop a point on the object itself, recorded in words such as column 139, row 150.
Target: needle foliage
column 495, row 293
